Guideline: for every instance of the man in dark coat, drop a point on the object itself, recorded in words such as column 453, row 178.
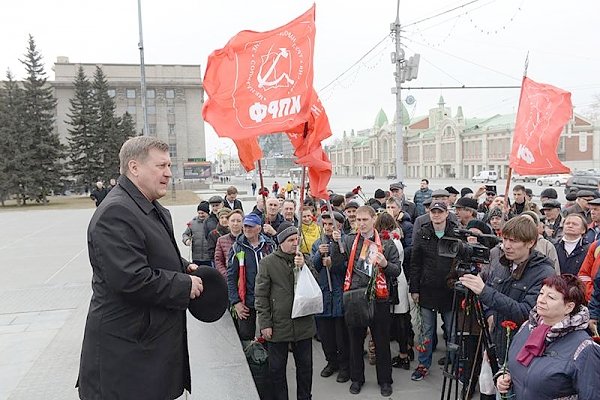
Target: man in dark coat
column 231, row 200
column 428, row 280
column 135, row 345
column 99, row 193
column 367, row 256
column 330, row 323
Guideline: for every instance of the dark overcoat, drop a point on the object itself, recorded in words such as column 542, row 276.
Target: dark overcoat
column 135, row 342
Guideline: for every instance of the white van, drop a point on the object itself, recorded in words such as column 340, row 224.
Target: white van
column 485, row 176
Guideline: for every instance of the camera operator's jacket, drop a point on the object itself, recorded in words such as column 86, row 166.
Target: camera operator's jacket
column 511, row 295
column 429, row 271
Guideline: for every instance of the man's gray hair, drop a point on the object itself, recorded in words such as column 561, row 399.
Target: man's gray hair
column 137, row 148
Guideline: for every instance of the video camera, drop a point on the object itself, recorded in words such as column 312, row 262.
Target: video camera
column 467, row 254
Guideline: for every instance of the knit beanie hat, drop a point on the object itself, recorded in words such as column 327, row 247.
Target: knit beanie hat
column 285, row 230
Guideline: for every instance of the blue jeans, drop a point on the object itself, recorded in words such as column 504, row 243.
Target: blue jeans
column 430, row 329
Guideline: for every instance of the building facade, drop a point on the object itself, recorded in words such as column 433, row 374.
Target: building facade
column 442, row 145
column 174, row 100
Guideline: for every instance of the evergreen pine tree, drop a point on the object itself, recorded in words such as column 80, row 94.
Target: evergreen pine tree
column 45, row 167
column 107, row 127
column 84, row 150
column 13, row 143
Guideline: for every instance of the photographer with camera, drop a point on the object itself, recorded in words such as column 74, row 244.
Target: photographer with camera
column 515, row 278
column 428, row 287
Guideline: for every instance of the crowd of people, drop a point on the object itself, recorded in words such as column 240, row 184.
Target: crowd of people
column 383, row 280
column 384, row 285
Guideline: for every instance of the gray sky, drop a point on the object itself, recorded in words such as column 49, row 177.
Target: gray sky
column 484, row 43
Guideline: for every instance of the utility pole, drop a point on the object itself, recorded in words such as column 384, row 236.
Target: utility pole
column 145, row 132
column 405, row 71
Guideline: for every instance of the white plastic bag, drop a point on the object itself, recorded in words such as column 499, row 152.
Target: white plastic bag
column 486, row 378
column 308, row 298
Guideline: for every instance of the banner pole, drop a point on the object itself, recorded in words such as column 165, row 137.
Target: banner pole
column 262, row 192
column 300, row 205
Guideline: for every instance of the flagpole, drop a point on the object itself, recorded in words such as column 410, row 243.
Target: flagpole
column 262, row 192
column 509, row 177
column 301, row 204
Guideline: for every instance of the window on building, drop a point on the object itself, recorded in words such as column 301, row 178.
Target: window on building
column 173, row 150
column 152, row 129
column 170, row 93
column 111, row 93
column 150, row 94
column 131, row 110
column 171, row 129
column 151, row 109
column 130, row 93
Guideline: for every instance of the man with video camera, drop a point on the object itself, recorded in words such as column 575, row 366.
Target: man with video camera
column 515, row 279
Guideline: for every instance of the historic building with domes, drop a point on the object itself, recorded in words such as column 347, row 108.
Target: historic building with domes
column 446, row 145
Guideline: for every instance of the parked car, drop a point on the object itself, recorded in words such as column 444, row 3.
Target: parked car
column 392, row 176
column 553, row 180
column 579, row 182
column 523, row 178
column 367, row 177
column 485, row 176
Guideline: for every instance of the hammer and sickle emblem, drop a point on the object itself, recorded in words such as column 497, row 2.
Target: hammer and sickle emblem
column 270, row 79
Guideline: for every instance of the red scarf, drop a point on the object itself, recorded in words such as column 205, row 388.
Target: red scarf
column 381, row 289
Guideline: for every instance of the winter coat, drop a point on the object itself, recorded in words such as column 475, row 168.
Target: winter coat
column 134, row 344
column 595, row 300
column 511, row 295
column 589, row 268
column 546, row 247
column 403, row 305
column 576, row 209
column 275, row 288
column 310, row 233
column 428, row 271
column 195, row 232
column 567, row 367
column 425, row 219
column 570, row 264
column 593, row 233
column 212, row 221
column 410, row 208
column 358, row 280
column 527, row 206
column 222, row 248
column 333, row 304
column 420, row 197
column 237, row 205
column 252, row 257
column 213, row 236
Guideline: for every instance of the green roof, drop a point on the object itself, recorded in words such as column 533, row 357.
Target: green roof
column 381, row 119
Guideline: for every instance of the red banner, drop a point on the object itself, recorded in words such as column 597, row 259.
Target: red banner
column 261, row 82
column 543, row 112
column 308, row 148
column 248, row 152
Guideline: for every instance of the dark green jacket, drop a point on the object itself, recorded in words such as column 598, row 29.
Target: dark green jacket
column 274, row 297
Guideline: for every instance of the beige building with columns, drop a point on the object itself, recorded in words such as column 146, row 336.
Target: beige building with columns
column 442, row 145
column 174, row 100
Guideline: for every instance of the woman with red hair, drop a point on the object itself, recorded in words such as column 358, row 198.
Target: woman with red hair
column 552, row 356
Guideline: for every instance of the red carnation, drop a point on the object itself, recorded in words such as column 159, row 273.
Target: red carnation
column 463, row 304
column 509, row 325
column 189, row 224
column 396, row 235
column 385, row 235
column 596, row 339
column 355, row 191
column 358, row 188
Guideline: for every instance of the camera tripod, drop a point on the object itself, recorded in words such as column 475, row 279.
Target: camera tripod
column 464, row 351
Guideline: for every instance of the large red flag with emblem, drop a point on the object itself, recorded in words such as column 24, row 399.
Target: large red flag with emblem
column 261, row 82
column 543, row 112
column 308, row 148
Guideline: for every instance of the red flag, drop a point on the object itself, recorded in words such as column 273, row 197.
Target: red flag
column 261, row 82
column 248, row 152
column 308, row 148
column 543, row 112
